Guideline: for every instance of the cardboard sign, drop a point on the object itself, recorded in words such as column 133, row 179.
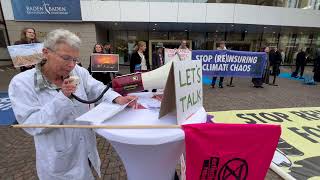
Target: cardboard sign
column 176, row 55
column 104, row 62
column 185, row 80
column 25, row 54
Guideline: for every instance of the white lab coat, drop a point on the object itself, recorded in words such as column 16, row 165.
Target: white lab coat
column 61, row 154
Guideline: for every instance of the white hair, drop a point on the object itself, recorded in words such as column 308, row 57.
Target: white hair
column 59, row 36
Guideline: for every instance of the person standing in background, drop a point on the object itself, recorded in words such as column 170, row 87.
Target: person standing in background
column 316, row 70
column 257, row 82
column 27, row 36
column 157, row 56
column 183, row 45
column 222, row 46
column 107, row 48
column 103, row 77
column 301, row 61
column 266, row 74
column 138, row 61
column 275, row 61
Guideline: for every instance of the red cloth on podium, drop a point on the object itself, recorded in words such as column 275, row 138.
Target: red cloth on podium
column 229, row 151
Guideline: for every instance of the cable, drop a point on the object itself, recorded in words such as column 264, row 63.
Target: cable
column 94, row 100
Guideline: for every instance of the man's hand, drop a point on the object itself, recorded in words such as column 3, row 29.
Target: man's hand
column 125, row 99
column 68, row 87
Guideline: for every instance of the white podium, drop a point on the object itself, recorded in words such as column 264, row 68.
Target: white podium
column 148, row 153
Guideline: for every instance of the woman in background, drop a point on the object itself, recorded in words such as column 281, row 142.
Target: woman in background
column 138, row 61
column 104, row 77
column 27, row 36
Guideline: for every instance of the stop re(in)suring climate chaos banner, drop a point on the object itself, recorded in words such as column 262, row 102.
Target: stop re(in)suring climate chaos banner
column 231, row 63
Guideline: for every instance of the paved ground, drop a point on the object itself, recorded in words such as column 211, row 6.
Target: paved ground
column 17, row 154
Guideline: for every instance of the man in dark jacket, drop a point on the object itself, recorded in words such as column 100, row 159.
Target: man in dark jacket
column 300, row 63
column 316, row 69
column 275, row 59
column 157, row 56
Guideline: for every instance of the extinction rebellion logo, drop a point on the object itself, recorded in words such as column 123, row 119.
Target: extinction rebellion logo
column 233, row 169
column 46, row 8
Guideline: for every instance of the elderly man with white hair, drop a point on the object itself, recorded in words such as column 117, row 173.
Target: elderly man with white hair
column 42, row 95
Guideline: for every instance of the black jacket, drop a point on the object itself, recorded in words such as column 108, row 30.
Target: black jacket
column 156, row 63
column 136, row 59
column 301, row 58
column 275, row 57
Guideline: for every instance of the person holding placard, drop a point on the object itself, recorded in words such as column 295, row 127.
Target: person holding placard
column 222, row 46
column 103, row 77
column 27, row 36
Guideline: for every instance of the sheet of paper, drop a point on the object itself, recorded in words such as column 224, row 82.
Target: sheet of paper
column 149, row 102
column 102, row 112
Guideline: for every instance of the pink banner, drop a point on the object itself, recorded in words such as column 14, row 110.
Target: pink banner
column 229, row 151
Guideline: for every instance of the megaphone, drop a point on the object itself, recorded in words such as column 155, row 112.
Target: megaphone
column 155, row 79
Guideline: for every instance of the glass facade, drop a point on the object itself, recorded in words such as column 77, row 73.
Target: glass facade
column 303, row 4
column 286, row 41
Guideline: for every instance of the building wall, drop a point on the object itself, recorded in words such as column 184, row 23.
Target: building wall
column 124, row 11
column 86, row 32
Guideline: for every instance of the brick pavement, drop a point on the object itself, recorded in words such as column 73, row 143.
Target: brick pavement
column 17, row 154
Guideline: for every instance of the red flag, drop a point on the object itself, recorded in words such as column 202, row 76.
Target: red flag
column 229, row 151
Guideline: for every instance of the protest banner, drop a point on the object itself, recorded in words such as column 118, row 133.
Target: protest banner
column 176, row 54
column 231, row 63
column 104, row 62
column 25, row 54
column 229, row 151
column 298, row 151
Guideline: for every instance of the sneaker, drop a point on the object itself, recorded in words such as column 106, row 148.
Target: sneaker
column 212, row 86
column 220, row 86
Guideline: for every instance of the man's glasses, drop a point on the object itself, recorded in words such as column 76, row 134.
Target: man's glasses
column 66, row 57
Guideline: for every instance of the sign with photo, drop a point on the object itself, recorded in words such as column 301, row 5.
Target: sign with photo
column 104, row 62
column 25, row 54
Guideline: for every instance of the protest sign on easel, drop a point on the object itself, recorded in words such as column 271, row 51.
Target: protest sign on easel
column 183, row 90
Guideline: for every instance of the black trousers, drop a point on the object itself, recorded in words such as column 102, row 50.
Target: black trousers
column 300, row 66
column 214, row 79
